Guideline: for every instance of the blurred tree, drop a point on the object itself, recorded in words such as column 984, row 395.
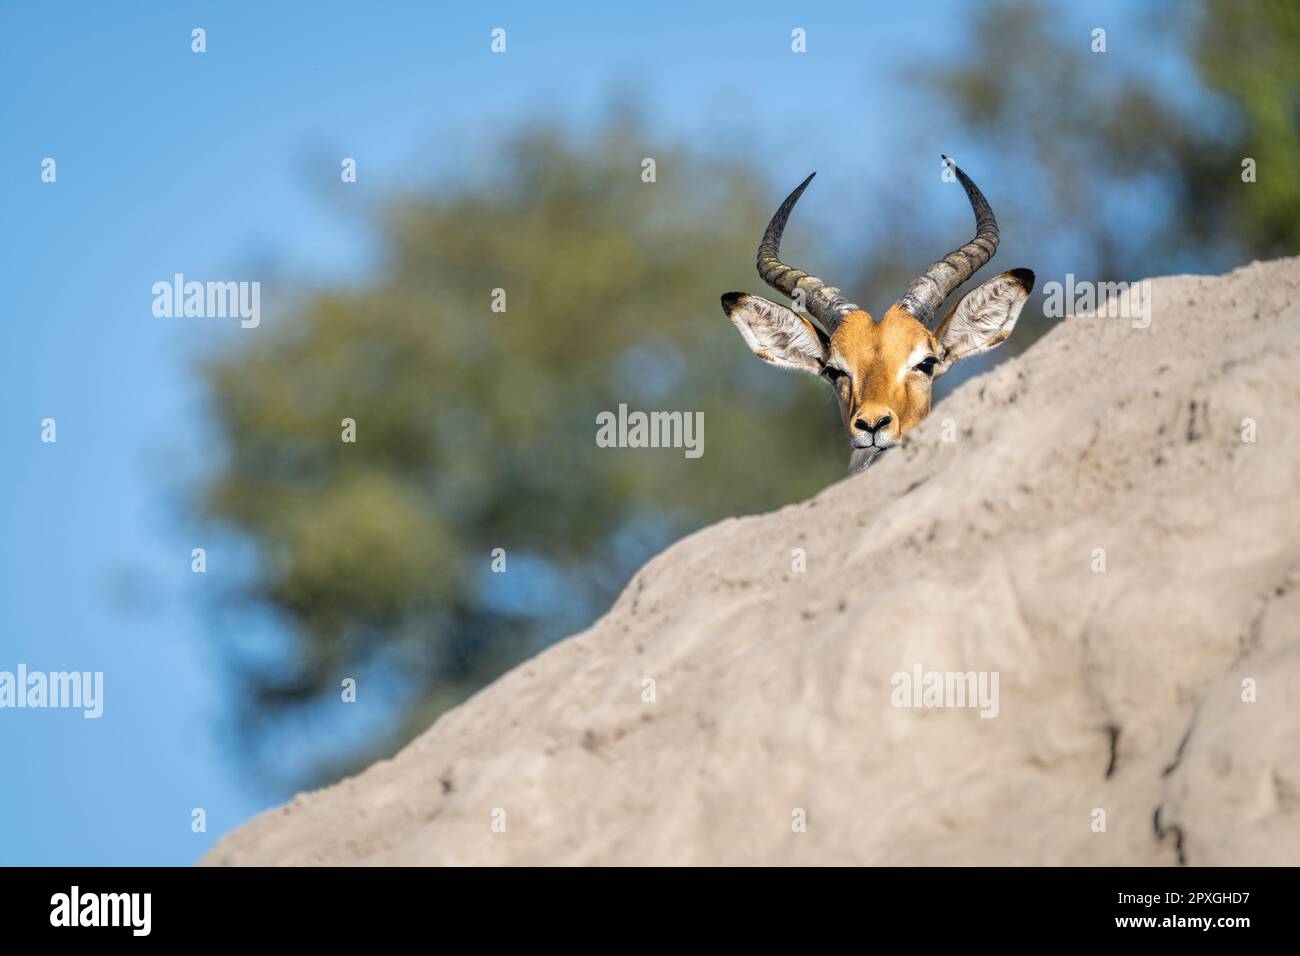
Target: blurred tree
column 1249, row 55
column 1135, row 154
column 475, row 430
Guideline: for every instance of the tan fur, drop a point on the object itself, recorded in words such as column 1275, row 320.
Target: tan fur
column 875, row 353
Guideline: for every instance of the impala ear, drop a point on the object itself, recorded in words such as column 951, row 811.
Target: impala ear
column 983, row 318
column 775, row 334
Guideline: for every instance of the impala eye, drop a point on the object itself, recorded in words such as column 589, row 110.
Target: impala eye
column 927, row 365
column 832, row 373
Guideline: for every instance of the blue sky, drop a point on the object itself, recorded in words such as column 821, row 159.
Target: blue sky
column 225, row 165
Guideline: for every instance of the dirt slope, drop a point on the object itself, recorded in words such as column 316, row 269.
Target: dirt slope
column 1119, row 691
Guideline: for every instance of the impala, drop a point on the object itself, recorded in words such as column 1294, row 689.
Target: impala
column 881, row 372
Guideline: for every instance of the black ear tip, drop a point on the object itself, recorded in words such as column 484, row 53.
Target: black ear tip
column 730, row 300
column 1024, row 276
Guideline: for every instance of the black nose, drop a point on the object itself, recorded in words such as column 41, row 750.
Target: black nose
column 863, row 425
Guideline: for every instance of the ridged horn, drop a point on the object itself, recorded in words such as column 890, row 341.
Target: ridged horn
column 826, row 303
column 927, row 292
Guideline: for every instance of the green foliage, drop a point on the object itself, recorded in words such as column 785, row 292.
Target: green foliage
column 1250, row 55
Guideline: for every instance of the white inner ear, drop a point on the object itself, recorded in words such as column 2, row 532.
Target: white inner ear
column 982, row 319
column 777, row 335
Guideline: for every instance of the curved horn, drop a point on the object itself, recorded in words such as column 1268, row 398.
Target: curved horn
column 826, row 303
column 926, row 293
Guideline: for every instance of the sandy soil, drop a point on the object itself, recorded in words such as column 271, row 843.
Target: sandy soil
column 773, row 735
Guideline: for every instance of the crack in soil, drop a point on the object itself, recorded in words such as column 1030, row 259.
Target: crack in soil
column 1173, row 830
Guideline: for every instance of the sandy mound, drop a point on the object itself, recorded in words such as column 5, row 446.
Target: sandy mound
column 773, row 737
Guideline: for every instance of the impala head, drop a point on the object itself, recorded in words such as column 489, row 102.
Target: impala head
column 881, row 371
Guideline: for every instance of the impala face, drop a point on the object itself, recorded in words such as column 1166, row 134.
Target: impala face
column 881, row 372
